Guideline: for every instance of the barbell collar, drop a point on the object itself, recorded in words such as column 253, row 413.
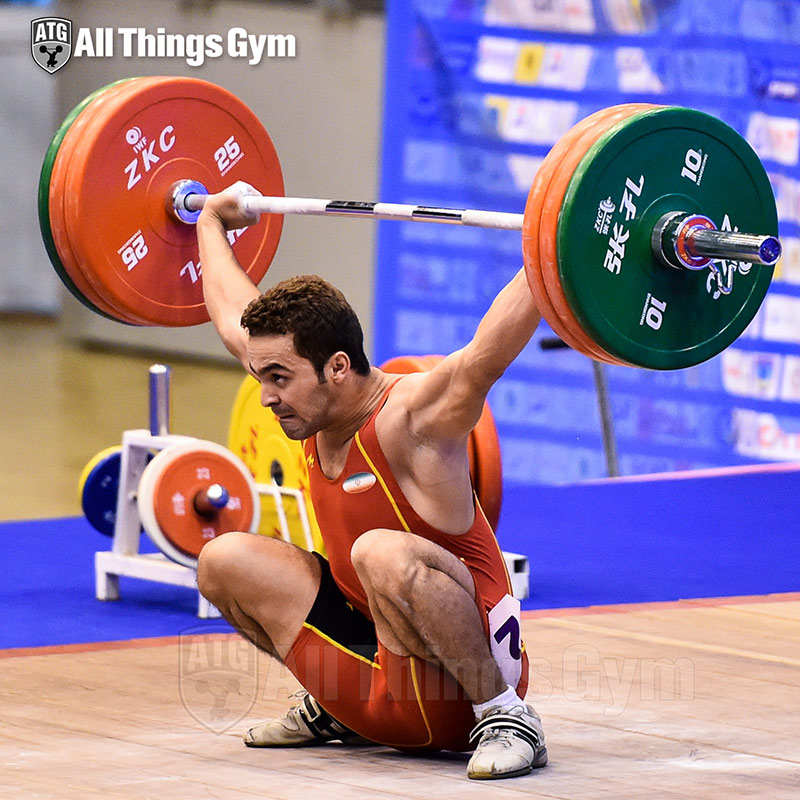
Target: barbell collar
column 692, row 241
column 181, row 192
column 209, row 501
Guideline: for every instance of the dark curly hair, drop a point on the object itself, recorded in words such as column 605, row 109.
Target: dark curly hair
column 318, row 315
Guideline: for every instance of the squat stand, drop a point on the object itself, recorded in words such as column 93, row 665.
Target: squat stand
column 124, row 557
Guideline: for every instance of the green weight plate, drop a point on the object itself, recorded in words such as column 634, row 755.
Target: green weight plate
column 636, row 308
column 44, row 200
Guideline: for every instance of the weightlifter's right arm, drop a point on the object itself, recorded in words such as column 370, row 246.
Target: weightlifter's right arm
column 227, row 289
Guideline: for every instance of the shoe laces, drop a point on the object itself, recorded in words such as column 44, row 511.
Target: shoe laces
column 500, row 736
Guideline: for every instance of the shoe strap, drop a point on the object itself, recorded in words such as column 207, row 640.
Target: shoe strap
column 507, row 722
column 321, row 724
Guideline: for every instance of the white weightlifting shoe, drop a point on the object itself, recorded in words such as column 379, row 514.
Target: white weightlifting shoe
column 510, row 743
column 304, row 725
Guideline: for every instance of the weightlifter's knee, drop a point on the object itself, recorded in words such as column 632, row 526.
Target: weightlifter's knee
column 219, row 562
column 253, row 568
column 395, row 563
column 383, row 560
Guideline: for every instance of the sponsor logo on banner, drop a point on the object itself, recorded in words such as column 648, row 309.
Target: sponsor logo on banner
column 575, row 16
column 566, row 66
column 790, row 383
column 625, row 16
column 634, row 73
column 765, row 436
column 781, row 318
column 779, row 81
column 556, row 66
column 533, row 121
column 788, row 268
column 523, row 169
column 787, row 196
column 51, row 42
column 775, row 138
column 749, row 374
column 497, row 59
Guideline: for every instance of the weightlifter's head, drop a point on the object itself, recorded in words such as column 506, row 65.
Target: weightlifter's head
column 301, row 333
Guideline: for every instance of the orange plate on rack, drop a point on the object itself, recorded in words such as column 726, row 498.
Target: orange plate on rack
column 168, row 488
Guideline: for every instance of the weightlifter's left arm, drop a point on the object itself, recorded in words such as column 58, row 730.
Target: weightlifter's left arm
column 446, row 402
column 227, row 289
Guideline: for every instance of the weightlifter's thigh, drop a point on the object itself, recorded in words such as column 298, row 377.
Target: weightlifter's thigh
column 264, row 587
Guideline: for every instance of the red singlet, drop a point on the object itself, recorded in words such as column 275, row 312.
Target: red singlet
column 402, row 702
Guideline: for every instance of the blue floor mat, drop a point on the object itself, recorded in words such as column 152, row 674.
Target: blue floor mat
column 655, row 540
column 598, row 544
column 47, row 590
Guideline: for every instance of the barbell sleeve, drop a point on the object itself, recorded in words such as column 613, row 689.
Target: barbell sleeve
column 734, row 246
column 692, row 241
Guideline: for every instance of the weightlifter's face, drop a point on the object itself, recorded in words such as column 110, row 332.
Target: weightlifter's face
column 290, row 386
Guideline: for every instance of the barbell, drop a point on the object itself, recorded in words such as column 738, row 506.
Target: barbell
column 639, row 235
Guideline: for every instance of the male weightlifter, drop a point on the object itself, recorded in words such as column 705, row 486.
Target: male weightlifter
column 408, row 634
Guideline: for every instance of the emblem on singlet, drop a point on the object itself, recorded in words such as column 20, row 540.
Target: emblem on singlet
column 359, row 482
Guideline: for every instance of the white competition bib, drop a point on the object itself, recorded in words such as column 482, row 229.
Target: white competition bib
column 505, row 638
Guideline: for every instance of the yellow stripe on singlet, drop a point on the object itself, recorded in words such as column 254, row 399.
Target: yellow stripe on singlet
column 341, row 646
column 414, row 680
column 406, row 528
column 419, row 702
column 382, row 483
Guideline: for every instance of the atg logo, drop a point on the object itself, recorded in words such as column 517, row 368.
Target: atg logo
column 51, row 42
column 218, row 677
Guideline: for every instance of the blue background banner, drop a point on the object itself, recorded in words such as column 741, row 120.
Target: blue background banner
column 476, row 95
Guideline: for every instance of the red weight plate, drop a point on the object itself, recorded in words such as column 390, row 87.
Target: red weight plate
column 489, row 466
column 548, row 226
column 43, row 198
column 77, row 131
column 483, row 451
column 531, row 224
column 120, row 178
column 569, row 331
column 175, row 489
